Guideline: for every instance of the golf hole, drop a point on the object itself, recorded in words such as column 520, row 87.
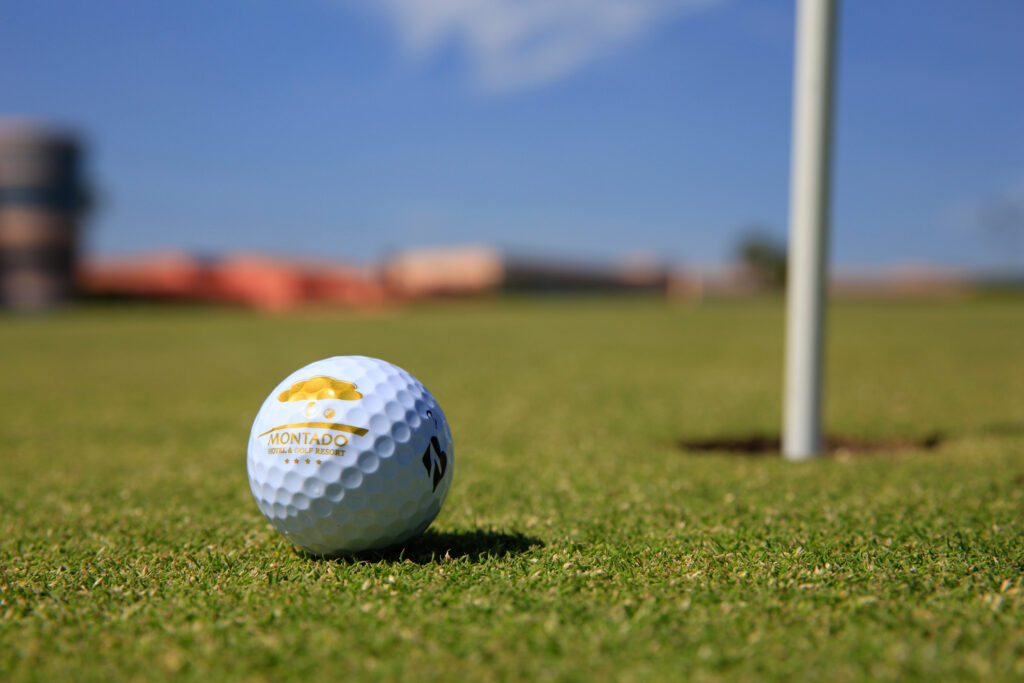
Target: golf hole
column 836, row 446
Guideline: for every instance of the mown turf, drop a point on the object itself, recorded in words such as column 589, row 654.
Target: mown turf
column 578, row 541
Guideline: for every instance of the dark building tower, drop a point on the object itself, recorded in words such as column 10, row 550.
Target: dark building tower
column 40, row 202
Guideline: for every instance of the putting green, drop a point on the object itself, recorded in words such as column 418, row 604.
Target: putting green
column 579, row 541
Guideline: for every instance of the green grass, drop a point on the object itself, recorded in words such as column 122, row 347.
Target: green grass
column 578, row 542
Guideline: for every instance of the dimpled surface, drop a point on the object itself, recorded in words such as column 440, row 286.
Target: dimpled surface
column 364, row 471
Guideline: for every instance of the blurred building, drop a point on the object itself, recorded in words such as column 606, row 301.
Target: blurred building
column 470, row 270
column 890, row 282
column 904, row 281
column 252, row 280
column 40, row 204
column 276, row 284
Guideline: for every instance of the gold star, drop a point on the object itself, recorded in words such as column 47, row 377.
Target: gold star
column 318, row 462
column 307, row 461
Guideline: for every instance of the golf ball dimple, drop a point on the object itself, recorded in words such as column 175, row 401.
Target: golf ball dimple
column 348, row 454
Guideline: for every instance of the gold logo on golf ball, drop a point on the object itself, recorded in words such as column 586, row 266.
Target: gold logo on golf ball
column 319, row 388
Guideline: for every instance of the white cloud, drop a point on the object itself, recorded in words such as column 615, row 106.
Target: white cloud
column 1002, row 218
column 997, row 219
column 514, row 44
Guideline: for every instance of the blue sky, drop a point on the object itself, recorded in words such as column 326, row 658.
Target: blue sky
column 598, row 128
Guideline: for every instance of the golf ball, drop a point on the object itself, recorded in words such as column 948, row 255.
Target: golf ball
column 349, row 453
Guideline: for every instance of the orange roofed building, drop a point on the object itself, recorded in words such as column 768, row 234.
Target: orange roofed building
column 252, row 280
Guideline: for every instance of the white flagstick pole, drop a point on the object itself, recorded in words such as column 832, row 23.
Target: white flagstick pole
column 808, row 226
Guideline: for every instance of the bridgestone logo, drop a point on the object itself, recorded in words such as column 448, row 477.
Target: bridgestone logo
column 435, row 459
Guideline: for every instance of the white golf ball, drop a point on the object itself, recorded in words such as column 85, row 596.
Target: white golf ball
column 350, row 453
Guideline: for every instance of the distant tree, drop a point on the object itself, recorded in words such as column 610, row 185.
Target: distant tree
column 762, row 256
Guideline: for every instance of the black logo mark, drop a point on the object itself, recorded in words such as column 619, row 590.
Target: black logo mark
column 436, row 462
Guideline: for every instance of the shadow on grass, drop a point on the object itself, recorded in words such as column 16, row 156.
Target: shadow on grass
column 477, row 545
column 755, row 445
